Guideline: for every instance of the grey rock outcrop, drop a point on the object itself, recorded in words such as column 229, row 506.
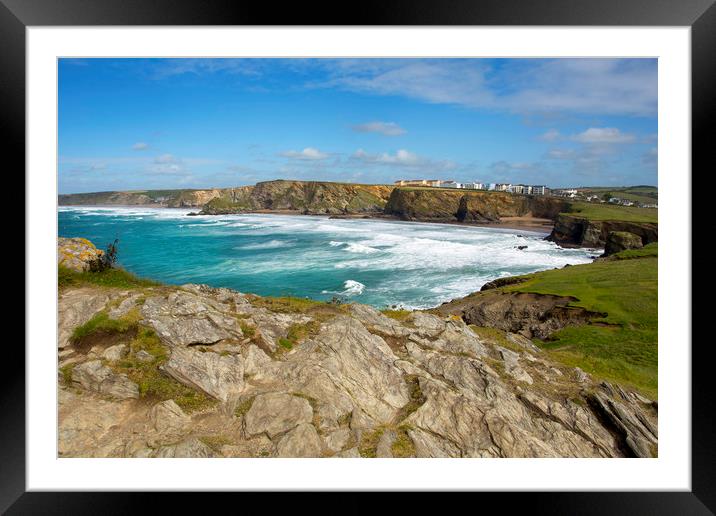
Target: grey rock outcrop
column 276, row 413
column 184, row 319
column 191, row 448
column 168, row 417
column 221, row 377
column 96, row 377
column 302, row 441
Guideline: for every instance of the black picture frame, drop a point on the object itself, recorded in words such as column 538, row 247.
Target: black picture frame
column 700, row 15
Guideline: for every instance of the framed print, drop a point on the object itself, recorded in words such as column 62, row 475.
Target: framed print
column 419, row 252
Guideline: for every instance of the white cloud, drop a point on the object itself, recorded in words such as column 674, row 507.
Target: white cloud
column 384, row 128
column 603, row 135
column 139, row 146
column 309, row 154
column 526, row 86
column 201, row 66
column 402, row 158
column 167, row 164
column 550, row 136
column 559, row 154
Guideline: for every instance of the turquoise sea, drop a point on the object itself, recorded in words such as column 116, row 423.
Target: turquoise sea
column 382, row 263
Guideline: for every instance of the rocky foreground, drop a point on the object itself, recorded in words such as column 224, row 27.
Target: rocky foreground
column 195, row 371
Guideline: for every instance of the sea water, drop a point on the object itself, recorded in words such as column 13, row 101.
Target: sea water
column 377, row 262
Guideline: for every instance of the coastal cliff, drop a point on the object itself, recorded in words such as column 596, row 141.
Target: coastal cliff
column 573, row 230
column 308, row 197
column 448, row 205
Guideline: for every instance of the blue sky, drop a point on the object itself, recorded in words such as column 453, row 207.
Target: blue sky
column 198, row 123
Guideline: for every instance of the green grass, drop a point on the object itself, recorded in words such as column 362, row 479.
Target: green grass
column 623, row 348
column 153, row 384
column 398, row 315
column 649, row 250
column 403, row 446
column 287, row 304
column 645, row 194
column 614, row 212
column 244, row 407
column 495, row 335
column 285, row 343
column 101, row 323
column 369, row 442
column 113, row 278
column 247, row 330
column 298, row 332
column 66, row 372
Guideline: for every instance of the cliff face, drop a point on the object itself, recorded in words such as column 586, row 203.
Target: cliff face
column 193, row 198
column 308, row 197
column 578, row 231
column 106, row 198
column 437, row 205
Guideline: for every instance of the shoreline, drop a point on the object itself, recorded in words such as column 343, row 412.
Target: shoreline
column 537, row 225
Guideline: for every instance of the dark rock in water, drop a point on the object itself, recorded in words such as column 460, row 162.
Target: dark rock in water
column 618, row 241
column 192, row 214
column 521, row 247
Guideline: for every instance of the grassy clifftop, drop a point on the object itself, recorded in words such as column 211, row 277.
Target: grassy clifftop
column 600, row 212
column 623, row 345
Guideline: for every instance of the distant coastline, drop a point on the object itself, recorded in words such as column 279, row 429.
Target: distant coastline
column 535, row 224
column 568, row 222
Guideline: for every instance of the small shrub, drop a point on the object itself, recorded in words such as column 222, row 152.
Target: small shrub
column 248, row 331
column 106, row 260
